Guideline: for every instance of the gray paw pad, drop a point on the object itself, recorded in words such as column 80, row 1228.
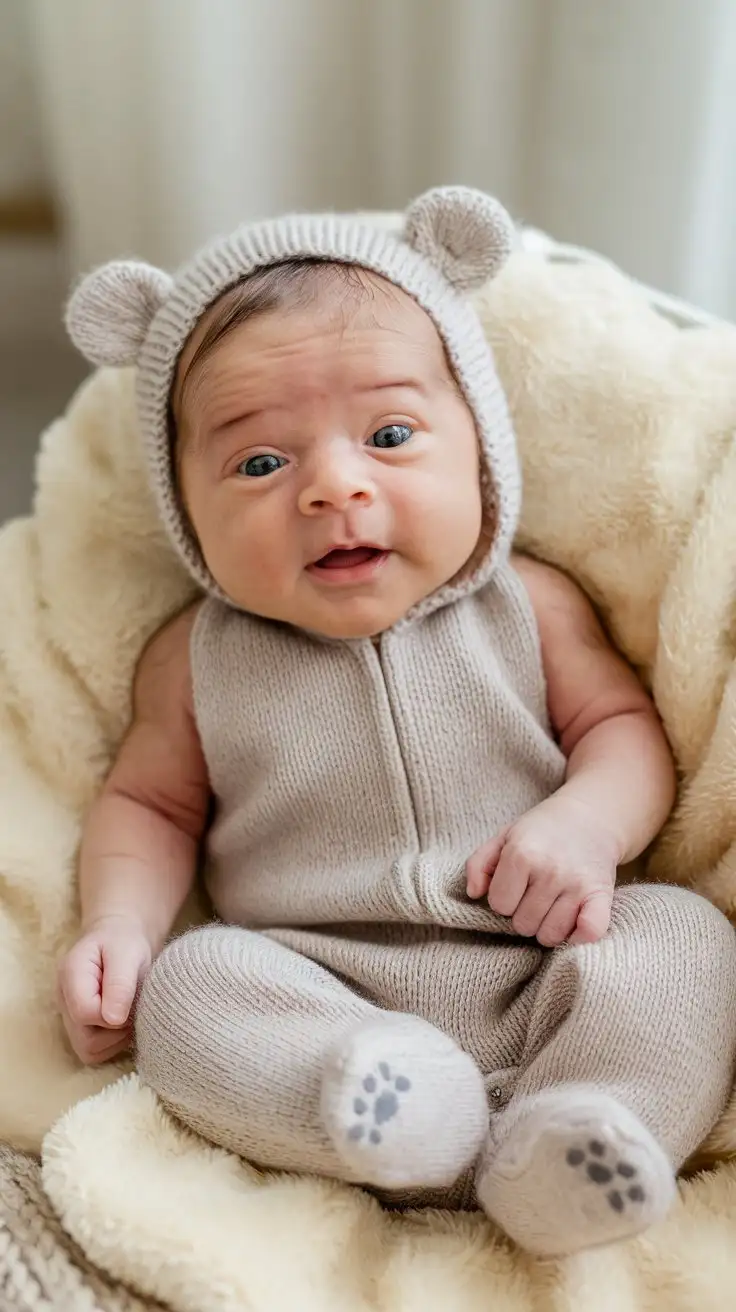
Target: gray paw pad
column 381, row 1105
column 606, row 1172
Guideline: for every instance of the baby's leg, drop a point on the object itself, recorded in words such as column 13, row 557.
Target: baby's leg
column 629, row 1062
column 267, row 1054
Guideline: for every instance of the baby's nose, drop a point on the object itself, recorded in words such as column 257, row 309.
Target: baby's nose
column 334, row 485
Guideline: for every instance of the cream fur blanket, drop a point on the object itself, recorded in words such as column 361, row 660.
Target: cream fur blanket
column 626, row 428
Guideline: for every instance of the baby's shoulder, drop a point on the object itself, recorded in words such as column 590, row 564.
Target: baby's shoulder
column 163, row 675
column 547, row 586
column 563, row 611
column 542, row 580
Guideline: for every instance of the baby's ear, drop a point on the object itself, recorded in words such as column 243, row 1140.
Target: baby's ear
column 110, row 312
column 465, row 233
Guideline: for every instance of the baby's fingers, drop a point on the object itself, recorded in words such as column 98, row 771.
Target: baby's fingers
column 121, row 970
column 94, row 1046
column 481, row 865
column 535, row 906
column 80, row 979
column 559, row 921
column 594, row 917
column 509, row 882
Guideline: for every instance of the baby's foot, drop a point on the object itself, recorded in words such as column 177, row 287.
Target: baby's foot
column 575, row 1170
column 403, row 1105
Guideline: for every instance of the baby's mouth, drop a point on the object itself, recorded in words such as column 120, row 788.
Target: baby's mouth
column 349, row 565
column 348, row 558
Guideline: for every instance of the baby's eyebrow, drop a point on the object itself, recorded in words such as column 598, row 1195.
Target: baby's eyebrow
column 407, row 384
column 218, row 431
column 402, row 384
column 243, row 417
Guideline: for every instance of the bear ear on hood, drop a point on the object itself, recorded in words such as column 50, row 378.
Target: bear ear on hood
column 110, row 312
column 466, row 234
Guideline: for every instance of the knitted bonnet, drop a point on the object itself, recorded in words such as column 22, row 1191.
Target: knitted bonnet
column 452, row 240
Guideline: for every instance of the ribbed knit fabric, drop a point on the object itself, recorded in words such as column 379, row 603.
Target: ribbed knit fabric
column 452, row 241
column 353, row 781
column 240, row 1032
column 351, row 1036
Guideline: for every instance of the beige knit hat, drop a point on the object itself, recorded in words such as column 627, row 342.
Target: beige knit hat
column 453, row 239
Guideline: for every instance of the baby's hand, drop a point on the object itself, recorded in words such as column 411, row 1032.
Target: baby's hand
column 552, row 873
column 98, row 981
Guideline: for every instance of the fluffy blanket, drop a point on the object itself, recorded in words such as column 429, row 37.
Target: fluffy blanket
column 625, row 424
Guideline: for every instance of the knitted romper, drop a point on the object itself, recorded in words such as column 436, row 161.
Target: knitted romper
column 352, row 781
column 354, row 1008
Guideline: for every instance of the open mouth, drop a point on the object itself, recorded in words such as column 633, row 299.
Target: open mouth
column 348, row 558
column 349, row 564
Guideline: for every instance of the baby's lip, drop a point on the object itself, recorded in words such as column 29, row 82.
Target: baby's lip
column 346, row 547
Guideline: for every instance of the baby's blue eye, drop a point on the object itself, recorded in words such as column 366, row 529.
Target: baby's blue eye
column 259, row 466
column 392, row 435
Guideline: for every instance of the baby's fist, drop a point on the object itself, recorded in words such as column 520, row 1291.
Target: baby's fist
column 552, row 874
column 98, row 982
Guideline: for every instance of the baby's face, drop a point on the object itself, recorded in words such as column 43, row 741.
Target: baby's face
column 328, row 463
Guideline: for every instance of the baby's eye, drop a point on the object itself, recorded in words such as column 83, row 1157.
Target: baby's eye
column 259, row 466
column 392, row 435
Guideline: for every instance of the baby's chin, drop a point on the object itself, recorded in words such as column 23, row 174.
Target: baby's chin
column 347, row 630
column 342, row 620
column 360, row 616
column 345, row 624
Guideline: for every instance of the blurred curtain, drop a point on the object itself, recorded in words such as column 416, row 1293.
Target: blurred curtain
column 610, row 124
column 635, row 143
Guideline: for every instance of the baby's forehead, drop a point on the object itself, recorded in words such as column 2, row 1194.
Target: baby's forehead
column 337, row 301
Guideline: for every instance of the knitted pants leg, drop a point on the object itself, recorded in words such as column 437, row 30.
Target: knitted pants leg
column 648, row 1016
column 629, row 1060
column 266, row 1053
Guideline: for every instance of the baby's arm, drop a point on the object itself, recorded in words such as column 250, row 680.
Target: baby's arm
column 554, row 871
column 139, row 850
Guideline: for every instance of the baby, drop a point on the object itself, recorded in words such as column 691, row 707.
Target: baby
column 416, row 762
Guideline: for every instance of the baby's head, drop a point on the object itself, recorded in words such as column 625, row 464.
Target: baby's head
column 326, row 432
column 327, row 460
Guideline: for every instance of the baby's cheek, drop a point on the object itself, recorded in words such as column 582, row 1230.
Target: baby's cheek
column 261, row 549
column 220, row 532
column 414, row 506
column 444, row 515
column 460, row 539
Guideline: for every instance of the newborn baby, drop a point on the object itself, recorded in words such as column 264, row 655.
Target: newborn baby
column 414, row 761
